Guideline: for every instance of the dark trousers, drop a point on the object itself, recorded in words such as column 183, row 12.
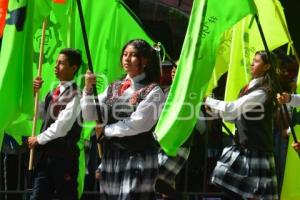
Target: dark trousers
column 231, row 195
column 55, row 175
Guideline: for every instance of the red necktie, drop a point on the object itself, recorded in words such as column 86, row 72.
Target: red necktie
column 55, row 94
column 125, row 85
column 245, row 89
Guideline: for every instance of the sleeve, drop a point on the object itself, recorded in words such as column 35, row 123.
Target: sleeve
column 88, row 105
column 295, row 100
column 99, row 167
column 231, row 110
column 62, row 124
column 142, row 120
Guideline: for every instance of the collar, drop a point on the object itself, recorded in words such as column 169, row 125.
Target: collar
column 136, row 78
column 255, row 81
column 65, row 85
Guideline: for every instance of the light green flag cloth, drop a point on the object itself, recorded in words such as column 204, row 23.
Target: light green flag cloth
column 247, row 41
column 222, row 61
column 208, row 21
column 268, row 15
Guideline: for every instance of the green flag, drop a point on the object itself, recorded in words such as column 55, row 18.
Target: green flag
column 16, row 60
column 208, row 21
column 222, row 61
column 56, row 37
column 109, row 24
column 118, row 25
column 14, row 72
column 238, row 71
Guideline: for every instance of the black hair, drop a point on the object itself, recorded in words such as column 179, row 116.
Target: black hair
column 264, row 56
column 74, row 57
column 270, row 79
column 144, row 50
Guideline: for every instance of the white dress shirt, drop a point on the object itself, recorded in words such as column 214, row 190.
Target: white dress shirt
column 141, row 120
column 64, row 121
column 295, row 100
column 229, row 111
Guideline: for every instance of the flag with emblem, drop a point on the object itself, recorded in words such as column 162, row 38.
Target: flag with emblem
column 16, row 60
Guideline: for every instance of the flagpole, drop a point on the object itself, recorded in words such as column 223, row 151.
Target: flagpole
column 90, row 66
column 277, row 85
column 227, row 129
column 36, row 95
column 98, row 131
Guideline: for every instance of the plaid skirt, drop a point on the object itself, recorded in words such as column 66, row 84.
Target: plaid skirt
column 249, row 173
column 128, row 175
column 169, row 166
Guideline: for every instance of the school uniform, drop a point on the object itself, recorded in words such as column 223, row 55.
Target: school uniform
column 57, row 153
column 247, row 168
column 129, row 165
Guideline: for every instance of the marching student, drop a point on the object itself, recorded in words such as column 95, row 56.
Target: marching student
column 131, row 107
column 57, row 158
column 246, row 170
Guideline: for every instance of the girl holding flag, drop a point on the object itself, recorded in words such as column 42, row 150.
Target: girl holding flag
column 131, row 107
column 246, row 170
